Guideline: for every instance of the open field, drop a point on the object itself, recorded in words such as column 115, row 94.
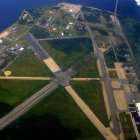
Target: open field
column 86, row 67
column 112, row 74
column 122, row 55
column 132, row 31
column 98, row 16
column 27, row 64
column 91, row 93
column 17, row 31
column 14, row 92
column 59, row 113
column 67, row 52
column 127, row 126
column 39, row 32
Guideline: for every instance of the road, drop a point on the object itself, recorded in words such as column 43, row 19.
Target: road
column 40, row 51
column 28, row 104
column 24, row 78
column 108, row 135
column 60, row 38
column 45, row 78
column 85, row 79
column 63, row 80
column 62, row 77
column 112, row 104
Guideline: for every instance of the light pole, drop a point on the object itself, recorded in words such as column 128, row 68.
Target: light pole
column 116, row 8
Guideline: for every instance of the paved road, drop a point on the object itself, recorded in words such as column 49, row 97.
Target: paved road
column 85, row 79
column 62, row 77
column 108, row 135
column 60, row 38
column 24, row 78
column 36, row 46
column 112, row 104
column 28, row 104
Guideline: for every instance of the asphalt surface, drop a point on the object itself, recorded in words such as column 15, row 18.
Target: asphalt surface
column 61, row 38
column 107, row 133
column 28, row 104
column 62, row 78
column 111, row 100
column 112, row 103
column 25, row 78
column 36, row 46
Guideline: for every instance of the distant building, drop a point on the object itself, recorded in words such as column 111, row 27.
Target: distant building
column 1, row 41
column 72, row 8
column 135, row 111
column 138, row 2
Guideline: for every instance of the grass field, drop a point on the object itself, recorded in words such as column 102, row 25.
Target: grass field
column 67, row 52
column 39, row 32
column 86, row 67
column 57, row 116
column 127, row 126
column 91, row 93
column 112, row 74
column 59, row 113
column 13, row 92
column 27, row 64
column 18, row 31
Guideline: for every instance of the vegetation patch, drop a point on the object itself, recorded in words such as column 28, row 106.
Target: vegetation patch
column 127, row 126
column 13, row 92
column 56, row 113
column 86, row 67
column 27, row 64
column 112, row 74
column 91, row 93
column 68, row 51
column 132, row 31
column 39, row 32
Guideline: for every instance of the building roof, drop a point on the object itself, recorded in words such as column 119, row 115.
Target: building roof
column 138, row 108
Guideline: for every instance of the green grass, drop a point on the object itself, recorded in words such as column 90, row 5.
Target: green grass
column 127, row 126
column 19, row 31
column 27, row 64
column 91, row 93
column 112, row 74
column 138, row 86
column 60, row 107
column 39, row 32
column 67, row 52
column 14, row 92
column 110, row 58
column 86, row 67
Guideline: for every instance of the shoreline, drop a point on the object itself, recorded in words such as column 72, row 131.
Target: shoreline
column 6, row 32
column 8, row 28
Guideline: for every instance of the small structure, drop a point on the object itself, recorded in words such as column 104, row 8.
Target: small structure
column 7, row 73
column 72, row 8
column 1, row 41
column 21, row 49
column 135, row 111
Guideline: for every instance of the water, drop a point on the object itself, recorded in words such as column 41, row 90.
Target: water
column 10, row 10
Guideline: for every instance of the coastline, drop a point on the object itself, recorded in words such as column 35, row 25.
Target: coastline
column 6, row 31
